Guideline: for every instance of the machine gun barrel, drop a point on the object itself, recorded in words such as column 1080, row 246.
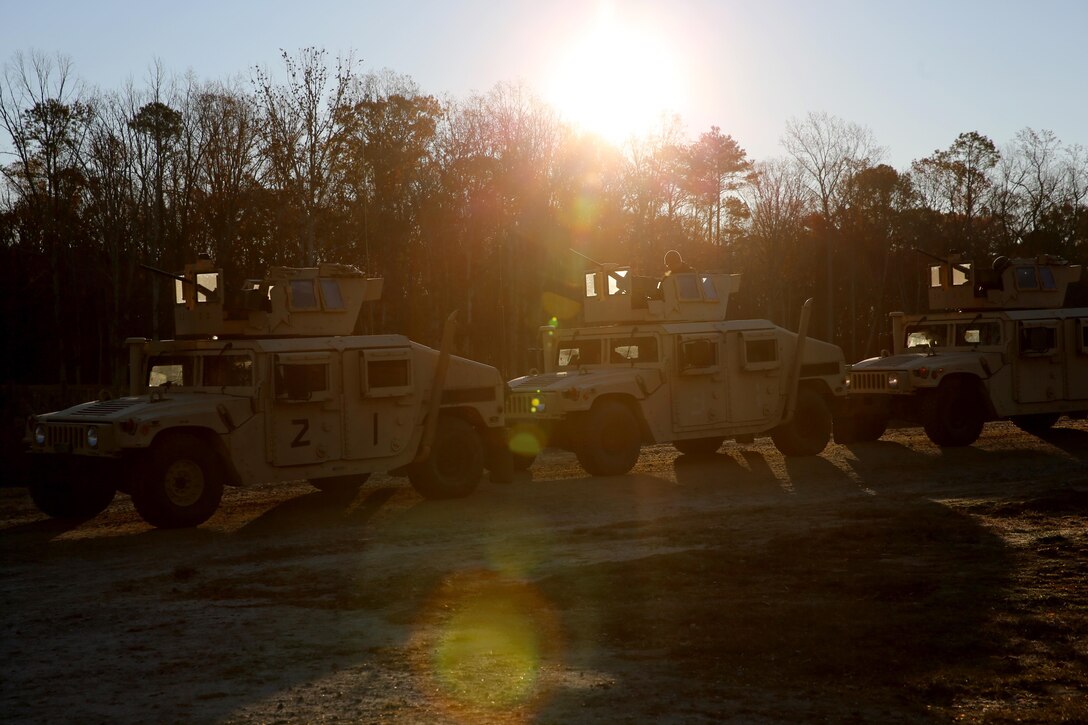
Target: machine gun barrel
column 179, row 278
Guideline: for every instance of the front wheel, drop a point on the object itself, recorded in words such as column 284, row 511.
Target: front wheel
column 456, row 462
column 180, row 484
column 609, row 439
column 952, row 415
column 808, row 433
column 64, row 492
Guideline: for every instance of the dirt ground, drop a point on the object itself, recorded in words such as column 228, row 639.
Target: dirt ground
column 881, row 582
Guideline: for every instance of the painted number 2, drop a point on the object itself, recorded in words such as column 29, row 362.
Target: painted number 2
column 300, row 440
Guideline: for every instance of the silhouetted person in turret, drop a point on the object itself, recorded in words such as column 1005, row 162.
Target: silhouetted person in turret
column 674, row 263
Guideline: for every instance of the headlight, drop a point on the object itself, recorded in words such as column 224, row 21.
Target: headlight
column 39, row 434
column 538, row 405
column 893, row 381
column 92, row 437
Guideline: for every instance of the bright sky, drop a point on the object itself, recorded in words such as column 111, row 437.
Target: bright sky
column 916, row 73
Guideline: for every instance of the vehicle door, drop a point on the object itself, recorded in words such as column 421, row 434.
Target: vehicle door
column 1078, row 361
column 304, row 417
column 381, row 401
column 757, row 385
column 1039, row 373
column 700, row 395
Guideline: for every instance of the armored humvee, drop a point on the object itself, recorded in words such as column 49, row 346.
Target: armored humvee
column 996, row 344
column 274, row 388
column 656, row 361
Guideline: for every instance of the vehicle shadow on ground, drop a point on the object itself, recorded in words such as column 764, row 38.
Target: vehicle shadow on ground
column 1073, row 441
column 318, row 511
column 873, row 614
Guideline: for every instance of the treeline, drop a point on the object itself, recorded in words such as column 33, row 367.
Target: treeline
column 471, row 204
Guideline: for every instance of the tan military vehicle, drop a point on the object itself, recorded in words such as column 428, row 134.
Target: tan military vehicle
column 656, row 361
column 276, row 389
column 997, row 344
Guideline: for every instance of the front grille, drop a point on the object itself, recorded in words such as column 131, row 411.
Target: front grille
column 519, row 404
column 868, row 382
column 65, row 437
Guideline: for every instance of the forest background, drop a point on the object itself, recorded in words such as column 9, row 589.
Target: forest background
column 469, row 203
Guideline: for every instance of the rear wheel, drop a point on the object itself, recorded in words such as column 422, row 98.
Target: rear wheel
column 952, row 415
column 455, row 465
column 60, row 490
column 609, row 439
column 809, row 431
column 180, row 484
column 1036, row 422
column 699, row 446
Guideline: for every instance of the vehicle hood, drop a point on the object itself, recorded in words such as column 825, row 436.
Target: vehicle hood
column 138, row 407
column 892, row 362
column 646, row 378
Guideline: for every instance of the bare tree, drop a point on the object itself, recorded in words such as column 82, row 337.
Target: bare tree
column 300, row 133
column 777, row 200
column 47, row 120
column 829, row 150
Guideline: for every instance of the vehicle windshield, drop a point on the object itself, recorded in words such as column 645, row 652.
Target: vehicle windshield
column 971, row 334
column 211, row 370
column 572, row 354
column 929, row 335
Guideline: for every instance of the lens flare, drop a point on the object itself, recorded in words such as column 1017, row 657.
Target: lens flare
column 486, row 654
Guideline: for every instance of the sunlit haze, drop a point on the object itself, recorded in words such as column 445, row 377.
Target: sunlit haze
column 917, row 74
column 617, row 76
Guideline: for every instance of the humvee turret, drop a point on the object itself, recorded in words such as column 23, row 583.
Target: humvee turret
column 996, row 344
column 276, row 387
column 656, row 361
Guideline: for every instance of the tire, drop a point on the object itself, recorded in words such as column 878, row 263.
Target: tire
column 456, row 463
column 699, row 446
column 809, row 431
column 952, row 415
column 347, row 485
column 609, row 439
column 61, row 490
column 1036, row 422
column 180, row 483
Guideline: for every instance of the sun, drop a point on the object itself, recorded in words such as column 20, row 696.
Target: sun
column 617, row 79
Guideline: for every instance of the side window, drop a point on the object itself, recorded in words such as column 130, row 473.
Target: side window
column 687, row 287
column 1038, row 338
column 386, row 373
column 228, row 370
column 710, row 292
column 978, row 333
column 632, row 349
column 1082, row 329
column 303, row 294
column 330, row 294
column 759, row 351
column 700, row 353
column 1026, row 278
column 591, row 284
column 302, row 377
